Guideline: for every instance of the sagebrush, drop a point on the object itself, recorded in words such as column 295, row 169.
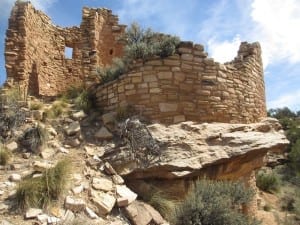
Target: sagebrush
column 268, row 182
column 214, row 203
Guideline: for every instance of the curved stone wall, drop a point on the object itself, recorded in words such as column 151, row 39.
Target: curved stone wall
column 190, row 86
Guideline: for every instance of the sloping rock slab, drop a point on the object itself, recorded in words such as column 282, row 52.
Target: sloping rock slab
column 188, row 148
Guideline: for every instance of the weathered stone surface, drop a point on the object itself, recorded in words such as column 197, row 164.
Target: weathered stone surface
column 74, row 204
column 5, row 222
column 103, row 134
column 140, row 213
column 109, row 117
column 190, row 149
column 47, row 153
column 125, row 192
column 15, row 177
column 102, row 183
column 12, row 146
column 73, row 128
column 117, row 179
column 168, row 107
column 41, row 166
column 104, row 202
column 90, row 213
column 33, row 213
column 78, row 115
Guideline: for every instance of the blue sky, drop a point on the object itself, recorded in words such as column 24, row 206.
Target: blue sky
column 220, row 25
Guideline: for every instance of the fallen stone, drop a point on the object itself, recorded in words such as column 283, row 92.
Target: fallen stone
column 15, row 177
column 90, row 213
column 75, row 205
column 12, row 146
column 104, row 202
column 3, row 207
column 68, row 217
column 78, row 189
column 26, row 155
column 103, row 134
column 122, row 201
column 109, row 117
column 41, row 166
column 109, row 169
column 78, row 115
column 73, row 128
column 64, row 150
column 117, row 179
column 125, row 192
column 102, row 183
column 42, row 218
column 5, row 222
column 53, row 220
column 73, row 142
column 32, row 213
column 47, row 153
column 140, row 213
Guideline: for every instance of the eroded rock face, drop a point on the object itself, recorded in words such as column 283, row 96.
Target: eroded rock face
column 215, row 150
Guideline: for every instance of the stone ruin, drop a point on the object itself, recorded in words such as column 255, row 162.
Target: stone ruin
column 182, row 87
column 35, row 49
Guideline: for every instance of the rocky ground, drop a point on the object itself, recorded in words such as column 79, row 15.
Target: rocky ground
column 101, row 160
column 96, row 193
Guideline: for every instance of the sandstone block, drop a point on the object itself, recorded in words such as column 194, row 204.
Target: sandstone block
column 165, row 75
column 109, row 117
column 74, row 204
column 168, row 107
column 150, row 78
column 125, row 192
column 15, row 177
column 102, row 183
column 73, row 128
column 79, row 115
column 103, row 134
column 104, row 202
column 32, row 213
column 12, row 146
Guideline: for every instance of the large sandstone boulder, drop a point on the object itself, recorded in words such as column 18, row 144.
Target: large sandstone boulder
column 189, row 149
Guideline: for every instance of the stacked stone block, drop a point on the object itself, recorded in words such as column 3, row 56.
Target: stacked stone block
column 35, row 49
column 191, row 86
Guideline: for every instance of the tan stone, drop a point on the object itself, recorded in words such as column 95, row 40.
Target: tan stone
column 104, row 202
column 101, row 183
column 168, row 107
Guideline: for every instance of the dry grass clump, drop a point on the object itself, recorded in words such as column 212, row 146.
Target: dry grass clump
column 41, row 191
column 4, row 156
column 56, row 109
column 36, row 105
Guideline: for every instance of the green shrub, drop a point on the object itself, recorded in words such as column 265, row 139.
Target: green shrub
column 41, row 191
column 140, row 44
column 294, row 156
column 83, row 101
column 112, row 72
column 4, row 156
column 34, row 139
column 214, row 203
column 267, row 181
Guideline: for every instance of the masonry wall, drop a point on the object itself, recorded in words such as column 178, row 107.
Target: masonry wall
column 35, row 49
column 190, row 86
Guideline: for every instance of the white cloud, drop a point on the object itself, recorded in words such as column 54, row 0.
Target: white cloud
column 277, row 25
column 224, row 51
column 290, row 100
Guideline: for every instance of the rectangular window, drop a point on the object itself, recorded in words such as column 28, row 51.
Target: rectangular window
column 68, row 53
